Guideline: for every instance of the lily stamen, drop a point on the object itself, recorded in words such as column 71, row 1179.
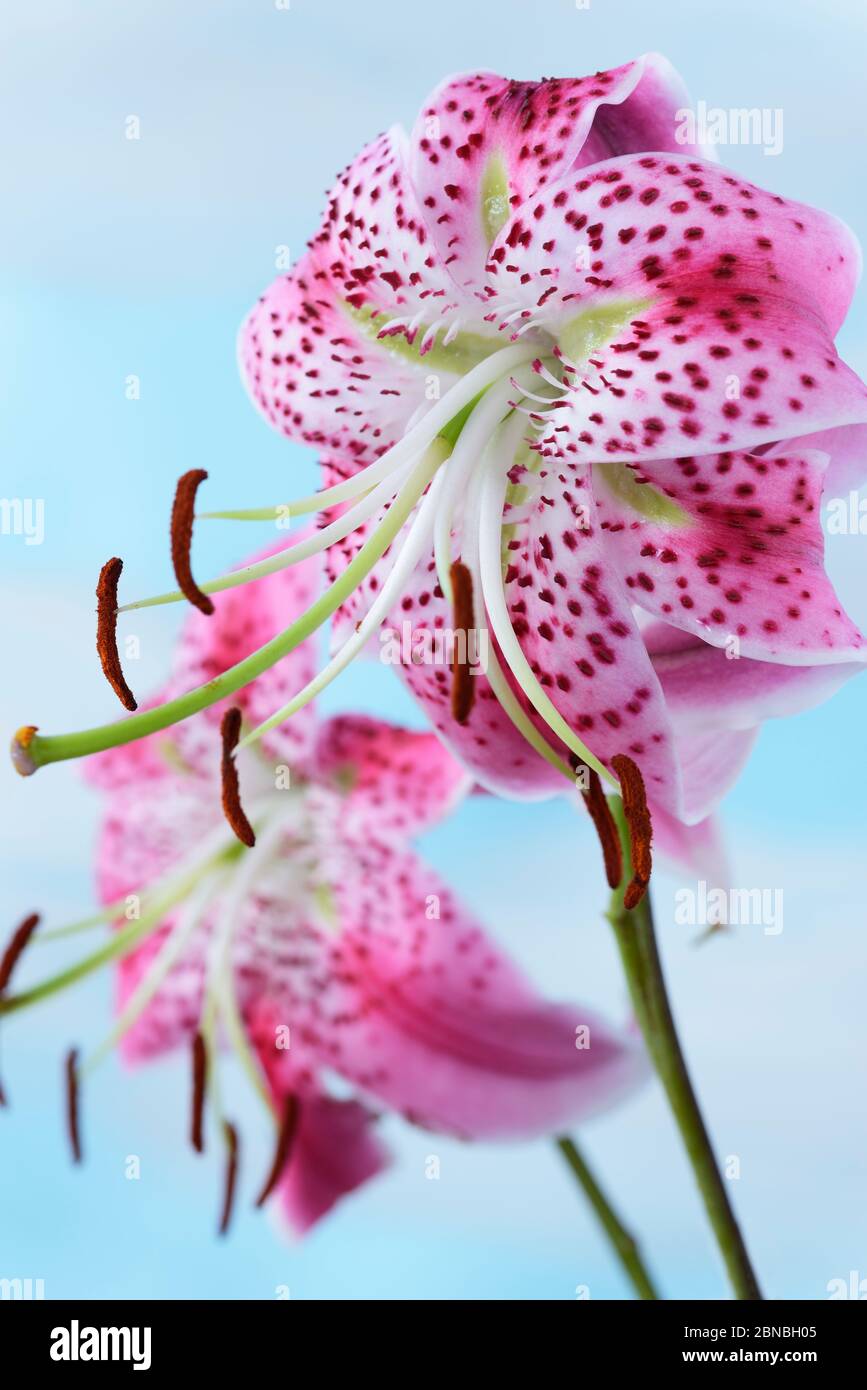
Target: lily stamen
column 106, row 631
column 606, row 828
column 463, row 687
column 72, row 1106
column 200, row 1072
column 640, row 827
column 19, row 940
column 183, row 510
column 329, row 535
column 31, row 751
column 230, row 1135
column 283, row 1151
column 230, row 732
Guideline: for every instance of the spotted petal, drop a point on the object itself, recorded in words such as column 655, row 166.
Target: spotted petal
column 488, row 745
column 705, row 307
column 576, row 628
column 730, row 547
column 395, row 781
column 338, row 353
column 416, row 1006
column 483, row 144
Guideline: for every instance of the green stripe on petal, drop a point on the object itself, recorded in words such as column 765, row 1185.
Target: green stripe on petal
column 644, row 499
column 588, row 332
column 494, row 193
column 465, row 351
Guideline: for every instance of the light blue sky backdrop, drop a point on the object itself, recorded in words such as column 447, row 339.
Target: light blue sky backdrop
column 121, row 257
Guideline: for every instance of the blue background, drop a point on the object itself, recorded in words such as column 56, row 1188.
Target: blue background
column 120, row 257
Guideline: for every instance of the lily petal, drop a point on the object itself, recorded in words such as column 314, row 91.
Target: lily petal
column 846, row 448
column 739, row 555
column 707, row 692
column 328, row 354
column 399, row 781
column 483, row 144
column 576, row 628
column 705, row 306
column 416, row 1006
column 697, row 850
column 335, row 1151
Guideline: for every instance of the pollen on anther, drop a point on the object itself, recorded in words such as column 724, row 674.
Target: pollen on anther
column 230, row 731
column 106, row 631
column 640, row 826
column 183, row 510
column 600, row 813
column 463, row 688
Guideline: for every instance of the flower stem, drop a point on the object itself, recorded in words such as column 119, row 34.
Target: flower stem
column 625, row 1245
column 636, row 940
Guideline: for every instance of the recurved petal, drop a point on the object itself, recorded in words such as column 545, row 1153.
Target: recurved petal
column 340, row 352
column 419, row 1008
column 697, row 310
column 707, row 691
column 483, row 144
column 730, row 547
column 697, row 850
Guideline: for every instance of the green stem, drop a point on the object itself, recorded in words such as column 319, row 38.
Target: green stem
column 36, row 751
column 121, row 942
column 636, row 940
column 625, row 1245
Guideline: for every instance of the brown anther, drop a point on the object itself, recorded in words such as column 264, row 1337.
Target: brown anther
column 282, row 1153
column 640, row 826
column 9, row 960
column 230, row 1135
column 200, row 1074
column 183, row 509
column 18, row 941
column 606, row 827
column 463, row 686
column 106, row 631
column 230, row 731
column 72, row 1104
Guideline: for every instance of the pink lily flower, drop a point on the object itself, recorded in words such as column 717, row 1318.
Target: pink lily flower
column 665, row 328
column 509, row 330
column 329, row 947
